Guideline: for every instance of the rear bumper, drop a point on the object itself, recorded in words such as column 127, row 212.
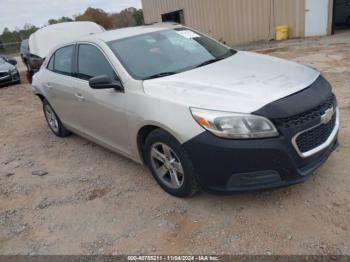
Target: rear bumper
column 251, row 165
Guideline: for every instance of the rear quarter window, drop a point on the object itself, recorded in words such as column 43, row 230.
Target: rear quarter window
column 50, row 64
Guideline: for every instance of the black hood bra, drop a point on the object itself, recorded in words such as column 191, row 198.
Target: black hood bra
column 305, row 100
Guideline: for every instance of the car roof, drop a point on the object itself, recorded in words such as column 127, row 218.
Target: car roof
column 117, row 34
column 131, row 31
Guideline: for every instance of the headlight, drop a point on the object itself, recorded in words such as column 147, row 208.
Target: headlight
column 234, row 125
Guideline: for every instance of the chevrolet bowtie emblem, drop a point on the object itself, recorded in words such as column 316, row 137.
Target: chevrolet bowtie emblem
column 327, row 116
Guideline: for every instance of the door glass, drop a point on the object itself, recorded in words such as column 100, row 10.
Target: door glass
column 50, row 65
column 91, row 63
column 63, row 60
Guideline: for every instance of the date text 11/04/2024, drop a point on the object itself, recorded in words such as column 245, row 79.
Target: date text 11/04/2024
column 173, row 258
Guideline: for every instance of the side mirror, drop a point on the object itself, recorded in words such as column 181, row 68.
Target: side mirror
column 12, row 61
column 105, row 82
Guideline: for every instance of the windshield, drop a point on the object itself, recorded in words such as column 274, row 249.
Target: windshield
column 167, row 52
column 25, row 46
column 2, row 61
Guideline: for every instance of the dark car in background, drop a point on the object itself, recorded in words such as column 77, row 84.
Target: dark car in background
column 24, row 51
column 33, row 64
column 8, row 71
column 31, row 61
column 9, row 59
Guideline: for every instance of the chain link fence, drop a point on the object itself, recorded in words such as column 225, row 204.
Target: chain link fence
column 10, row 49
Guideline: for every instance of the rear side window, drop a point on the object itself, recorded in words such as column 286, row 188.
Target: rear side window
column 62, row 61
column 92, row 62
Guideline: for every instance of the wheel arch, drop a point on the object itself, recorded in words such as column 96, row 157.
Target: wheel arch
column 41, row 97
column 142, row 134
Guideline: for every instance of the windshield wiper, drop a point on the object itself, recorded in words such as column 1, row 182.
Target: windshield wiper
column 208, row 62
column 230, row 53
column 160, row 75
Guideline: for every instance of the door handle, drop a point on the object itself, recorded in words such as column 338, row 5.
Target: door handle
column 79, row 97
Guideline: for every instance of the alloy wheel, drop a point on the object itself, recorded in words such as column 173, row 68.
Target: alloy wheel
column 167, row 165
column 51, row 118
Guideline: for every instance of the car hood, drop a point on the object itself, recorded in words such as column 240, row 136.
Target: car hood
column 6, row 67
column 45, row 39
column 244, row 82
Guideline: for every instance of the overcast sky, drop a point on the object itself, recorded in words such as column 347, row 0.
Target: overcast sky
column 15, row 13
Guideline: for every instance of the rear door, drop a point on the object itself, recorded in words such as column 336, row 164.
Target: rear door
column 59, row 86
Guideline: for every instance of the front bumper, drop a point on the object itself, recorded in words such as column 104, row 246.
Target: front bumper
column 251, row 165
column 9, row 79
column 307, row 138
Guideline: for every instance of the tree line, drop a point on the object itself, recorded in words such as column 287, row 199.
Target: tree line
column 128, row 17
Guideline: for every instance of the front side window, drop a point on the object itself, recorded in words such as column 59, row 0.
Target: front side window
column 63, row 60
column 92, row 62
column 167, row 52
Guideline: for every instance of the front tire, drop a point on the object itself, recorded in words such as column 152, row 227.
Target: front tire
column 53, row 120
column 170, row 164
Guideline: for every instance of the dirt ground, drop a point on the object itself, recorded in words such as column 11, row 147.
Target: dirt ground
column 93, row 201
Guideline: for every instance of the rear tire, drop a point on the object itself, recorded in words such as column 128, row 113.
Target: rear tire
column 170, row 164
column 53, row 120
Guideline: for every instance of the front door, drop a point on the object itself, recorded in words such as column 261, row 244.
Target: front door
column 102, row 112
column 316, row 17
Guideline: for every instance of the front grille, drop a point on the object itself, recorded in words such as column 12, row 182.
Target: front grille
column 315, row 136
column 303, row 118
column 4, row 74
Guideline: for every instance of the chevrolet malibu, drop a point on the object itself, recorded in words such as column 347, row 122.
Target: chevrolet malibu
column 199, row 114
